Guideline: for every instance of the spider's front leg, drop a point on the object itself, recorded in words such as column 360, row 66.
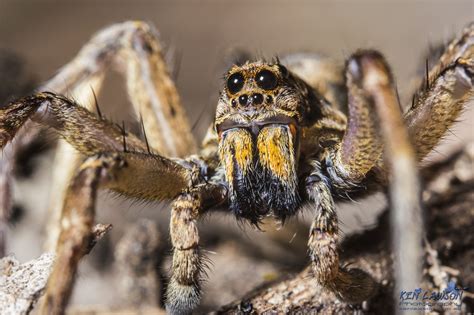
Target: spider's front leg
column 90, row 136
column 375, row 120
column 361, row 146
column 184, row 289
column 351, row 285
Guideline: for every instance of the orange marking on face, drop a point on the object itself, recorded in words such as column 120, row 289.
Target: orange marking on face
column 276, row 152
column 237, row 145
column 243, row 149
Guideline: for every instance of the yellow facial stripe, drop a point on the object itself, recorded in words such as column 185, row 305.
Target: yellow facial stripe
column 243, row 150
column 276, row 152
column 237, row 145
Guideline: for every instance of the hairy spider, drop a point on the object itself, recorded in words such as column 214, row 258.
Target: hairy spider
column 280, row 140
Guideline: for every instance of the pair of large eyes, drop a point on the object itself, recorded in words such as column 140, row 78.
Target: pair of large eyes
column 265, row 79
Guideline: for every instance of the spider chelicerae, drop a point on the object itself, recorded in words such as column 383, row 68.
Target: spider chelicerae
column 289, row 133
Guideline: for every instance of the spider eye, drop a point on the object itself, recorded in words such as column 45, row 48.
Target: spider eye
column 235, row 82
column 266, row 80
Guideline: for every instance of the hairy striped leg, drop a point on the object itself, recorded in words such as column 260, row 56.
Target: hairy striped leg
column 129, row 170
column 352, row 285
column 184, row 290
column 404, row 185
column 91, row 135
column 347, row 163
column 375, row 123
column 183, row 293
column 361, row 146
column 134, row 49
column 66, row 160
column 447, row 89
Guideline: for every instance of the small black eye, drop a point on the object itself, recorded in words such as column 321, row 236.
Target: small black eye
column 266, row 80
column 243, row 99
column 235, row 82
column 257, row 99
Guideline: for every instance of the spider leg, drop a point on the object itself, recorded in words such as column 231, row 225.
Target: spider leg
column 361, row 146
column 91, row 135
column 133, row 48
column 184, row 291
column 446, row 90
column 373, row 106
column 184, row 288
column 66, row 159
column 352, row 285
column 76, row 230
column 399, row 155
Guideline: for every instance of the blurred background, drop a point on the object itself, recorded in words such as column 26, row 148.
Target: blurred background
column 199, row 35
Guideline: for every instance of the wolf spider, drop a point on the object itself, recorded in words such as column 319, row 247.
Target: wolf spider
column 288, row 133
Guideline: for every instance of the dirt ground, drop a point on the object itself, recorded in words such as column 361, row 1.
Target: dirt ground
column 46, row 34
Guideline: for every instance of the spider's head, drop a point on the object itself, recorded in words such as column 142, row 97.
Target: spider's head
column 258, row 119
column 258, row 94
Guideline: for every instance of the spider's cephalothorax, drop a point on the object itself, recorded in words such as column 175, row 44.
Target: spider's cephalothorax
column 259, row 118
